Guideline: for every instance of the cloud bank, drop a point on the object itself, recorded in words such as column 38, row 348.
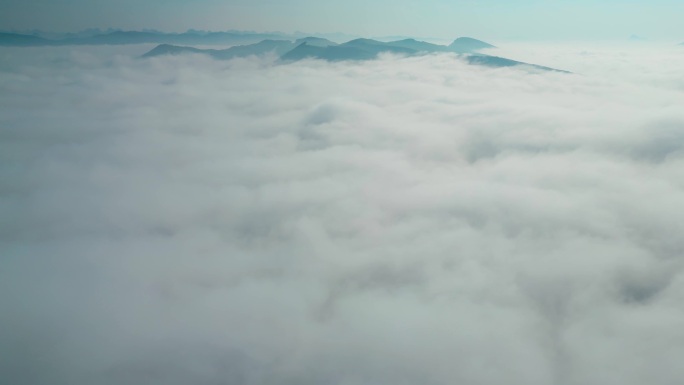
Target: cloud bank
column 401, row 221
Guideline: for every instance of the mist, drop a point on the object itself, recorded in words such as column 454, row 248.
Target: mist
column 406, row 220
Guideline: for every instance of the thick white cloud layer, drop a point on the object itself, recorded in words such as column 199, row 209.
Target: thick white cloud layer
column 181, row 220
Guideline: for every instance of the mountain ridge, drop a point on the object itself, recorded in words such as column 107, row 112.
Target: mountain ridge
column 468, row 44
column 353, row 50
column 356, row 49
column 22, row 40
column 139, row 37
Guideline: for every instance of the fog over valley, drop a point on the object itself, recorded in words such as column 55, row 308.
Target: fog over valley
column 408, row 219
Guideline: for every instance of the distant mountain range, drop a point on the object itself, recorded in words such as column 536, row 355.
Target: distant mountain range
column 137, row 37
column 358, row 49
column 243, row 44
column 15, row 39
column 365, row 49
column 191, row 37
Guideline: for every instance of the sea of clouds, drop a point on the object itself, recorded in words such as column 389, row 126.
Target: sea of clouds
column 181, row 220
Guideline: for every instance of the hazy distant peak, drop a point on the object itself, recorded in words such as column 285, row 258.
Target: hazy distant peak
column 169, row 49
column 418, row 46
column 470, row 40
column 303, row 51
column 363, row 41
column 315, row 41
column 468, row 44
column 268, row 43
column 365, row 48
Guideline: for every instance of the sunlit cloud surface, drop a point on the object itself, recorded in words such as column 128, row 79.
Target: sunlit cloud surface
column 416, row 220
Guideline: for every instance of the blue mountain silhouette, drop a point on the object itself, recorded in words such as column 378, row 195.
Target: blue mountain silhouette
column 358, row 49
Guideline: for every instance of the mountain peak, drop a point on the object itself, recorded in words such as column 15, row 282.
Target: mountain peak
column 468, row 45
column 315, row 41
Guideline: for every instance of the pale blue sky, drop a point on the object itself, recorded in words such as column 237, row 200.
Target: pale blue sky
column 487, row 19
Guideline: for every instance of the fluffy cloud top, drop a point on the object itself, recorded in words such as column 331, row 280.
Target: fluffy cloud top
column 401, row 221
